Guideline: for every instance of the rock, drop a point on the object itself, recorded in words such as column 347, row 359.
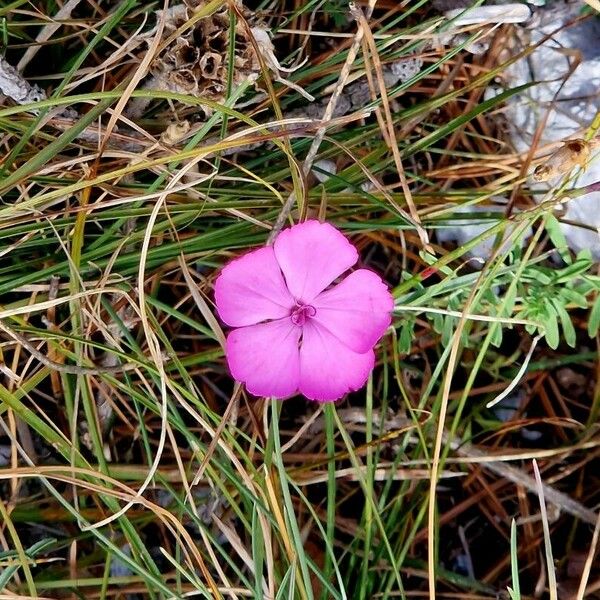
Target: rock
column 569, row 93
column 565, row 70
column 324, row 169
column 462, row 231
column 505, row 13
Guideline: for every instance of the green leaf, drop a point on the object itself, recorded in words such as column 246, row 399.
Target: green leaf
column 551, row 325
column 257, row 549
column 539, row 276
column 6, row 574
column 594, row 318
column 575, row 297
column 438, row 323
column 496, row 335
column 557, row 238
column 406, row 337
column 575, row 270
column 565, row 320
column 585, row 254
column 533, row 313
column 447, row 330
column 510, row 299
column 531, row 329
column 515, row 591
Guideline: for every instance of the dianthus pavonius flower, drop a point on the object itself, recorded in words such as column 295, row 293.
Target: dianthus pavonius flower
column 298, row 327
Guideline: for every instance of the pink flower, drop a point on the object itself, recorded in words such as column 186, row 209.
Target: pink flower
column 294, row 332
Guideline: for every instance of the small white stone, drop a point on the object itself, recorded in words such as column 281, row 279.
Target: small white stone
column 568, row 99
column 368, row 186
column 5, row 455
column 509, row 406
column 324, row 165
column 119, row 568
column 463, row 231
column 480, row 15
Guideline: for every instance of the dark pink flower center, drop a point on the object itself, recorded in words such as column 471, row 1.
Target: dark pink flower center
column 302, row 312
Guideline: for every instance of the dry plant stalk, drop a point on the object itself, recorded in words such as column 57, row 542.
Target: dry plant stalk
column 392, row 422
column 48, row 31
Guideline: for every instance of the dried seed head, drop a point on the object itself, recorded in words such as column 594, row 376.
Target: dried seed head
column 183, row 54
column 210, row 65
column 195, row 63
column 175, row 132
column 573, row 153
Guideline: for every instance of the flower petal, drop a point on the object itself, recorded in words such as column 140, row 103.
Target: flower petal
column 311, row 255
column 266, row 357
column 329, row 369
column 251, row 289
column 357, row 310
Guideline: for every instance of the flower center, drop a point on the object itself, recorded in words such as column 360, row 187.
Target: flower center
column 302, row 312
